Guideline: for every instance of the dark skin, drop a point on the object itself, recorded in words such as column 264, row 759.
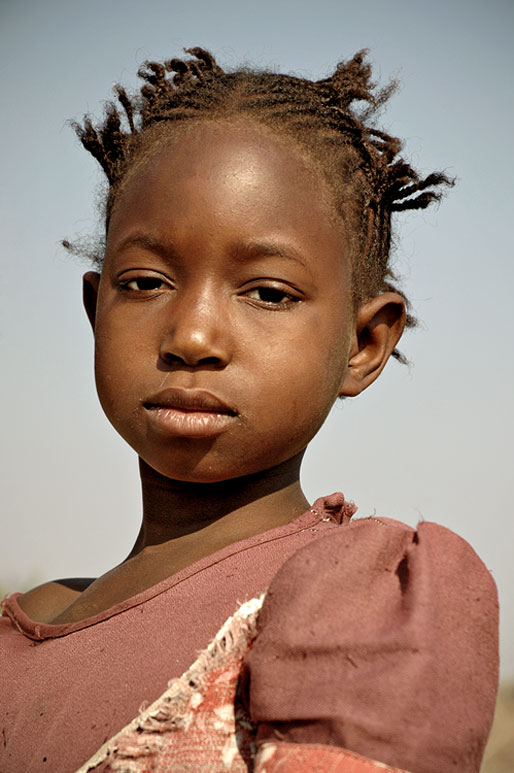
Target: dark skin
column 224, row 332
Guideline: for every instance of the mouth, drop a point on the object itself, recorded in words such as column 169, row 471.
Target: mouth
column 188, row 413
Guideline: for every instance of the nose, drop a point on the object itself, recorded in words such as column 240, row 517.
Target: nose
column 198, row 332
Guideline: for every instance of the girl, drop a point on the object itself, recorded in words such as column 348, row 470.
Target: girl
column 244, row 287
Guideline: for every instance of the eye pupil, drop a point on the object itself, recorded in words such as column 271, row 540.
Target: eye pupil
column 271, row 295
column 148, row 283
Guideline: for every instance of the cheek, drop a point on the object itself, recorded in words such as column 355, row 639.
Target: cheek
column 323, row 349
column 302, row 379
column 119, row 358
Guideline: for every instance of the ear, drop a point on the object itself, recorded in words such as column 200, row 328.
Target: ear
column 90, row 284
column 379, row 324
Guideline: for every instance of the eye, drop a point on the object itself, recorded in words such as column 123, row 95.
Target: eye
column 144, row 283
column 271, row 296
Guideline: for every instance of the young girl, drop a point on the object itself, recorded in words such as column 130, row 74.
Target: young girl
column 245, row 286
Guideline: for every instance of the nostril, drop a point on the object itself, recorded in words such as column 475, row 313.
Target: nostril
column 190, row 361
column 216, row 361
column 172, row 359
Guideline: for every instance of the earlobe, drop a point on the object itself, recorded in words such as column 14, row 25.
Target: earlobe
column 90, row 284
column 379, row 324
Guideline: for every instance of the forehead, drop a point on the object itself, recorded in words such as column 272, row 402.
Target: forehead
column 241, row 177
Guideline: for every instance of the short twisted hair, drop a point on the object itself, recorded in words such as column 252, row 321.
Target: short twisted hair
column 368, row 178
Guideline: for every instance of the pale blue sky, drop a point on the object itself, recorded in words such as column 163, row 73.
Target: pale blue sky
column 431, row 441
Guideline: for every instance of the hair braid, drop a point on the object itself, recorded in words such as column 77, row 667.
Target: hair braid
column 127, row 106
column 319, row 116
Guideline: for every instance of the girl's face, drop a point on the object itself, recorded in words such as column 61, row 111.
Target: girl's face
column 223, row 317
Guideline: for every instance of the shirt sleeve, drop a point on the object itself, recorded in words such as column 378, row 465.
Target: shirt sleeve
column 377, row 642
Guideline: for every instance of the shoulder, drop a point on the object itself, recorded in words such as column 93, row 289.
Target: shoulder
column 390, row 563
column 381, row 541
column 373, row 582
column 44, row 602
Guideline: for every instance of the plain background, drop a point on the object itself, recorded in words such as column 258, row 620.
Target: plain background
column 430, row 441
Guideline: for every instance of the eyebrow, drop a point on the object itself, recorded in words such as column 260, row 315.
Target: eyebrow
column 269, row 247
column 163, row 249
column 252, row 250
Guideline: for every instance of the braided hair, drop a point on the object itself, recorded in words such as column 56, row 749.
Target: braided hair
column 368, row 178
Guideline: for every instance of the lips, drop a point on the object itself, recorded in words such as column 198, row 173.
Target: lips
column 188, row 413
column 194, row 400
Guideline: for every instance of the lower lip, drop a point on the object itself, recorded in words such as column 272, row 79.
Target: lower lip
column 192, row 424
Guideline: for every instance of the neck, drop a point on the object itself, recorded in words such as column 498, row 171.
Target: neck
column 223, row 512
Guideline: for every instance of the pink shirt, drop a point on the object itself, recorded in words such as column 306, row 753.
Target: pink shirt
column 66, row 689
column 374, row 642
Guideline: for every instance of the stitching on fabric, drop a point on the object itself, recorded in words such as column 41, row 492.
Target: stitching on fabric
column 108, row 615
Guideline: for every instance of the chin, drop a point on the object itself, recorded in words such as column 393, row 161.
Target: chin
column 200, row 472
